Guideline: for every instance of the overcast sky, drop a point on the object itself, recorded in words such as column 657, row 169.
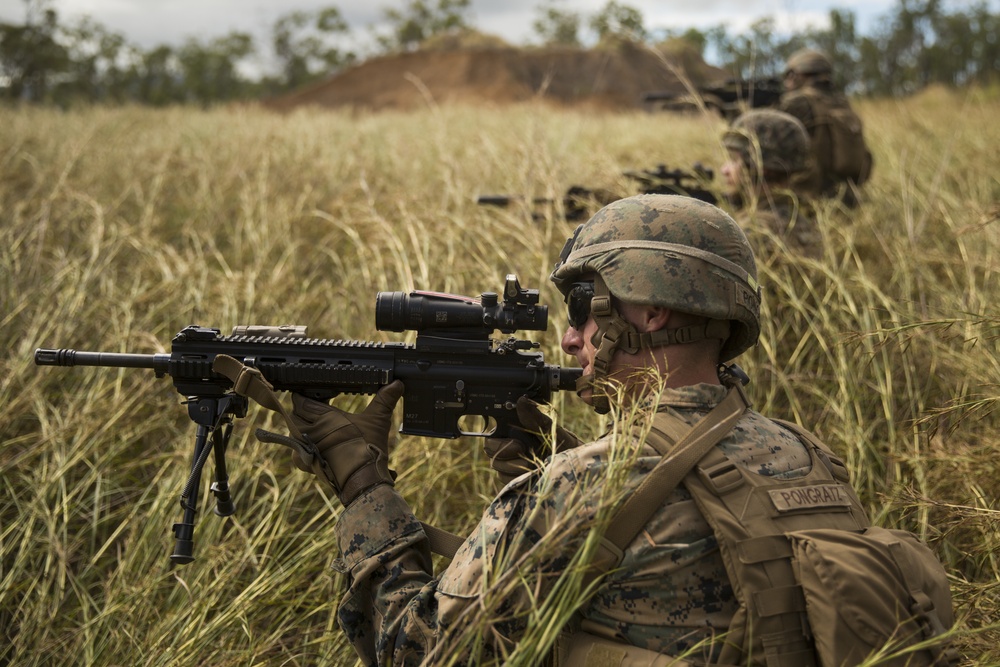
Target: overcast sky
column 152, row 22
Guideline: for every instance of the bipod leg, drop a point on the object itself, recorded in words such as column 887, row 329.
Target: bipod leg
column 224, row 505
column 184, row 531
column 212, row 415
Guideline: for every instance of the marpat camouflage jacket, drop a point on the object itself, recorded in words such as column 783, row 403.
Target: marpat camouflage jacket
column 670, row 592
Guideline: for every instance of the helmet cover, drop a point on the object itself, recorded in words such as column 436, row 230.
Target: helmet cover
column 671, row 251
column 771, row 140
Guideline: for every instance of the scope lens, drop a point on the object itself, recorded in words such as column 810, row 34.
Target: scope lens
column 390, row 314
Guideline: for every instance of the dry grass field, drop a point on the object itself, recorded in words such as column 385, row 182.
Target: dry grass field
column 118, row 227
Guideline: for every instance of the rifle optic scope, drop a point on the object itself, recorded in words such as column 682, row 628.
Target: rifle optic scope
column 426, row 311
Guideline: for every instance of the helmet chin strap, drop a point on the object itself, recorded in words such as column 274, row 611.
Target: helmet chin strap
column 615, row 333
column 611, row 327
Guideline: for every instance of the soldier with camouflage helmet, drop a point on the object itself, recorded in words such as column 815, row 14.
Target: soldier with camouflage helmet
column 767, row 150
column 842, row 161
column 660, row 291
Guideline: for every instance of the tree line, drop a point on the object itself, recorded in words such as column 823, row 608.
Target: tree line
column 47, row 60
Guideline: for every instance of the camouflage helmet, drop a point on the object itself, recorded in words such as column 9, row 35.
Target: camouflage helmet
column 809, row 62
column 770, row 140
column 671, row 251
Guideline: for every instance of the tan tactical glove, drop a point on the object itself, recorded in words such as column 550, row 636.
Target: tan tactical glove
column 527, row 446
column 351, row 449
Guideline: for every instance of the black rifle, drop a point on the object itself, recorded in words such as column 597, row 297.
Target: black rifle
column 663, row 181
column 454, row 370
column 729, row 98
column 578, row 203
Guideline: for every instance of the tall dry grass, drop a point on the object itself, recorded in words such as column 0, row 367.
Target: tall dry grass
column 120, row 227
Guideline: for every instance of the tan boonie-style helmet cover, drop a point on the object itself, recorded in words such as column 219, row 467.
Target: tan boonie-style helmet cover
column 671, row 251
column 770, row 139
column 809, row 62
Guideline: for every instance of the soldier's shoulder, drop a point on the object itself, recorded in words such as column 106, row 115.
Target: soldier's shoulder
column 766, row 447
column 580, row 459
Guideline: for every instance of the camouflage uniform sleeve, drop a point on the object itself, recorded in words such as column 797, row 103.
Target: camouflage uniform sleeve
column 395, row 612
column 385, row 551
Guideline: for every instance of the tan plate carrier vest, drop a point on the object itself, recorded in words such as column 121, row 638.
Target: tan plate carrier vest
column 749, row 515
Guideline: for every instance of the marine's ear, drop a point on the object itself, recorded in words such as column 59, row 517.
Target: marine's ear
column 651, row 318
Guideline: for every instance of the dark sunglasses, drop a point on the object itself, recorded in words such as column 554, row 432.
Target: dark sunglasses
column 578, row 304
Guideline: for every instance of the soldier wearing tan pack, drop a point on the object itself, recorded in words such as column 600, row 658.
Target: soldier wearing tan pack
column 660, row 290
column 842, row 160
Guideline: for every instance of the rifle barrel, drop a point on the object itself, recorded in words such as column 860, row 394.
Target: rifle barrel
column 495, row 200
column 659, row 96
column 65, row 357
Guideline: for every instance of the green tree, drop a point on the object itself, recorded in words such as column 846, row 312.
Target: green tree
column 902, row 44
column 211, row 70
column 303, row 45
column 895, row 59
column 158, row 77
column 920, row 43
column 756, row 54
column 100, row 63
column 947, row 59
column 839, row 41
column 618, row 20
column 696, row 38
column 30, row 55
column 872, row 78
column 963, row 47
column 419, row 20
column 557, row 26
column 984, row 66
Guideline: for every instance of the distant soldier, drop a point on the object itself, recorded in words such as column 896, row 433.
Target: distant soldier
column 768, row 149
column 842, row 161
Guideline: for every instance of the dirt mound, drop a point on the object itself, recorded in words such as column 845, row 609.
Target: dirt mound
column 611, row 77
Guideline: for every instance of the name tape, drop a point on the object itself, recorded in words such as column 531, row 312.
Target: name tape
column 810, row 497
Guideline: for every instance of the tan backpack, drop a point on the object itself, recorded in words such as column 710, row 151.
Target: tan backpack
column 817, row 586
column 838, row 139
